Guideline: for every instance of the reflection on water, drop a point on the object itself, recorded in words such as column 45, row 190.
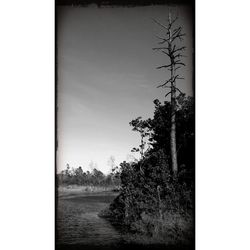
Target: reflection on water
column 78, row 221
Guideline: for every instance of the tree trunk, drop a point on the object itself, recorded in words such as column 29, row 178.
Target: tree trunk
column 173, row 134
column 173, row 110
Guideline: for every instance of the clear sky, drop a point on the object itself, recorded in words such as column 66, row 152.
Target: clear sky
column 107, row 76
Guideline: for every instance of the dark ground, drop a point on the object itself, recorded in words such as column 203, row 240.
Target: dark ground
column 123, row 247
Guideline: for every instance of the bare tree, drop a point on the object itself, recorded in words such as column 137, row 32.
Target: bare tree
column 173, row 50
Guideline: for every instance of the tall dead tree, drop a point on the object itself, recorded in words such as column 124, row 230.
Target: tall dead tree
column 173, row 50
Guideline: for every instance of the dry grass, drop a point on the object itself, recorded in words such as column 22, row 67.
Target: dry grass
column 173, row 229
column 75, row 189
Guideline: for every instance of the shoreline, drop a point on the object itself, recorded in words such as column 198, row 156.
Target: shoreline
column 86, row 190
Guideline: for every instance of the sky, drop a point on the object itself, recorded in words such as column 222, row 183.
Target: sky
column 107, row 76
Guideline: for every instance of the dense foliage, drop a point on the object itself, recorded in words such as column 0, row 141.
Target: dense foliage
column 152, row 200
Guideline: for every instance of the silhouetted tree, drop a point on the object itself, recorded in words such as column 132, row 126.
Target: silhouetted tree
column 174, row 54
column 140, row 126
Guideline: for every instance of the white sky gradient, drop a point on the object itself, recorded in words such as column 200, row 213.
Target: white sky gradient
column 107, row 76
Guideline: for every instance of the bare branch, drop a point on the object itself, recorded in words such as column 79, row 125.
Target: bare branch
column 166, row 53
column 165, row 83
column 177, row 61
column 179, row 49
column 179, row 55
column 160, row 48
column 176, row 31
column 164, row 66
column 178, row 36
column 163, row 26
column 175, row 19
column 174, row 79
column 179, row 90
column 180, row 63
column 172, row 22
column 171, row 80
column 163, row 40
column 168, row 94
column 173, row 49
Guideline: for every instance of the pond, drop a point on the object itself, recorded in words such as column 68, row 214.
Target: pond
column 78, row 222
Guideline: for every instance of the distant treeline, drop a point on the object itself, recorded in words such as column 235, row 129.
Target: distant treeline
column 76, row 176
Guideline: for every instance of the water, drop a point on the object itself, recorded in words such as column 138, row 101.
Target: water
column 78, row 222
column 80, row 228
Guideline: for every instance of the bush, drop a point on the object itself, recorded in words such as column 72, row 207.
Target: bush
column 153, row 201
